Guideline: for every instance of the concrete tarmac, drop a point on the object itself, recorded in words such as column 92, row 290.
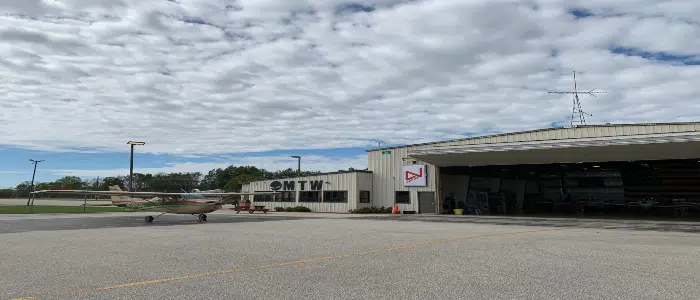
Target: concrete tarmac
column 320, row 256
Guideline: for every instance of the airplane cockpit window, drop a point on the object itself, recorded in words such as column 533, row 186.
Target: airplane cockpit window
column 162, row 199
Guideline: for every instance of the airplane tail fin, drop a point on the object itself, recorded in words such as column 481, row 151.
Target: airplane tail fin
column 117, row 199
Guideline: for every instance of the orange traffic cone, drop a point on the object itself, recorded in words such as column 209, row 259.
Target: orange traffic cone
column 395, row 210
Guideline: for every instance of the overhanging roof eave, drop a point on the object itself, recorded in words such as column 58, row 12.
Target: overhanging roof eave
column 503, row 147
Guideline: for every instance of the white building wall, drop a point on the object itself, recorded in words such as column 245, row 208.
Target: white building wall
column 347, row 181
column 386, row 168
column 386, row 177
column 364, row 183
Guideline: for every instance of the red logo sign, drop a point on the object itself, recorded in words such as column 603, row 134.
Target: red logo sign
column 410, row 176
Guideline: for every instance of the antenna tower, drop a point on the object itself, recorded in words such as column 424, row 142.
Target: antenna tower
column 577, row 112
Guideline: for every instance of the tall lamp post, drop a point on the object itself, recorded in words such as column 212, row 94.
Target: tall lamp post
column 31, row 186
column 298, row 164
column 131, row 165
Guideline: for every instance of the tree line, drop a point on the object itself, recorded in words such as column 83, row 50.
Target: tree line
column 229, row 179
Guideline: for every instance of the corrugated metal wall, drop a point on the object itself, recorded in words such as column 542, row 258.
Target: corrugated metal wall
column 386, row 178
column 332, row 182
column 386, row 168
column 579, row 132
column 364, row 183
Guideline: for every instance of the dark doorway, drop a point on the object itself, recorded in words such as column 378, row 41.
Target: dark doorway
column 665, row 189
column 426, row 202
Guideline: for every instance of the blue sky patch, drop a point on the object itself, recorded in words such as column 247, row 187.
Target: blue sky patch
column 349, row 8
column 658, row 56
column 581, row 13
column 15, row 166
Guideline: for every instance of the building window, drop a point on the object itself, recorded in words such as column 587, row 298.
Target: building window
column 335, row 196
column 311, row 196
column 364, row 197
column 262, row 198
column 402, row 197
column 286, row 196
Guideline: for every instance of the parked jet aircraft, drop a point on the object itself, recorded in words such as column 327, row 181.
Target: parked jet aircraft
column 193, row 203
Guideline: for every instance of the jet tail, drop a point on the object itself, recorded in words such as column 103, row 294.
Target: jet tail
column 117, row 199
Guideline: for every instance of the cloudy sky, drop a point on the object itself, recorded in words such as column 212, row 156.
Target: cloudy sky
column 209, row 83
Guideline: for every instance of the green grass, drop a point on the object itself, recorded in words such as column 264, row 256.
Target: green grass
column 54, row 209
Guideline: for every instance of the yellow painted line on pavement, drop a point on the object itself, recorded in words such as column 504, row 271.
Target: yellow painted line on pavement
column 297, row 262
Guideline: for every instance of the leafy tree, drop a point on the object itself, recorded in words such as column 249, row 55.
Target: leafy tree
column 110, row 181
column 8, row 193
column 235, row 184
column 230, row 179
column 69, row 183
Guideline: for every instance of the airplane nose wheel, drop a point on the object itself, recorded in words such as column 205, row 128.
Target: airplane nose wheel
column 149, row 219
column 202, row 218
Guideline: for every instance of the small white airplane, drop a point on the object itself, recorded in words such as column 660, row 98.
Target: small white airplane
column 193, row 203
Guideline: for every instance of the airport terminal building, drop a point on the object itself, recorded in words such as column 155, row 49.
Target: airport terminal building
column 611, row 168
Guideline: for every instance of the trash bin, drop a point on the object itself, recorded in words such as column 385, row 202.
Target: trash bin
column 459, row 211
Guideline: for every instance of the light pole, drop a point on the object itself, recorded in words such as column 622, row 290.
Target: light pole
column 131, row 166
column 298, row 164
column 31, row 186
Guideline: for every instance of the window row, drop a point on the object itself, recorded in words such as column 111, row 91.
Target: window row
column 311, row 196
column 282, row 197
column 402, row 197
column 328, row 196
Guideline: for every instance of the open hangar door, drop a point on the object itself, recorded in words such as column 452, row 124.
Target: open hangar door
column 669, row 188
column 656, row 179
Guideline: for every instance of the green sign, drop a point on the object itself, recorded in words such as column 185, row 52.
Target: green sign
column 386, row 152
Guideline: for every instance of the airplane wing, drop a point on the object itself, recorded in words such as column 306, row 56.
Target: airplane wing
column 232, row 194
column 126, row 193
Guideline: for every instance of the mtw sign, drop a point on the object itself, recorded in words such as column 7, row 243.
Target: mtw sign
column 289, row 185
column 414, row 175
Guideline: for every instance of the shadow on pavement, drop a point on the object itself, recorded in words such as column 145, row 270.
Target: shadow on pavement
column 27, row 225
column 598, row 223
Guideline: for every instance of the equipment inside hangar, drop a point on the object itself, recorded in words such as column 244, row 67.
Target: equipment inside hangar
column 647, row 174
column 654, row 188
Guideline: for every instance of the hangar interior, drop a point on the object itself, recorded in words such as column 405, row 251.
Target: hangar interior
column 650, row 177
column 662, row 188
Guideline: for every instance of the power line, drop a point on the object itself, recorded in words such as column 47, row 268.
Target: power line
column 577, row 111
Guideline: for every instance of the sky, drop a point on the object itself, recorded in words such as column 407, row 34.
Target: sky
column 212, row 83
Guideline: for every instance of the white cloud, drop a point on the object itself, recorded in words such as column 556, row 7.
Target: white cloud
column 270, row 163
column 13, row 172
column 207, row 77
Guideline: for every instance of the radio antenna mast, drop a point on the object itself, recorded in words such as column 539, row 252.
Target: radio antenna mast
column 577, row 112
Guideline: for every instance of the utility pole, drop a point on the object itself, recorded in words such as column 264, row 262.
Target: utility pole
column 31, row 186
column 131, row 165
column 97, row 185
column 577, row 112
column 298, row 164
column 131, row 169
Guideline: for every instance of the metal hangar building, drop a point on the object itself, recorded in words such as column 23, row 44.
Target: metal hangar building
column 650, row 168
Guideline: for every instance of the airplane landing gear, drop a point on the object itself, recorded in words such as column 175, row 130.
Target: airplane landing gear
column 202, row 218
column 150, row 219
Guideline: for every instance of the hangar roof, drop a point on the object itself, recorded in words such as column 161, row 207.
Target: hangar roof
column 619, row 148
column 565, row 133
